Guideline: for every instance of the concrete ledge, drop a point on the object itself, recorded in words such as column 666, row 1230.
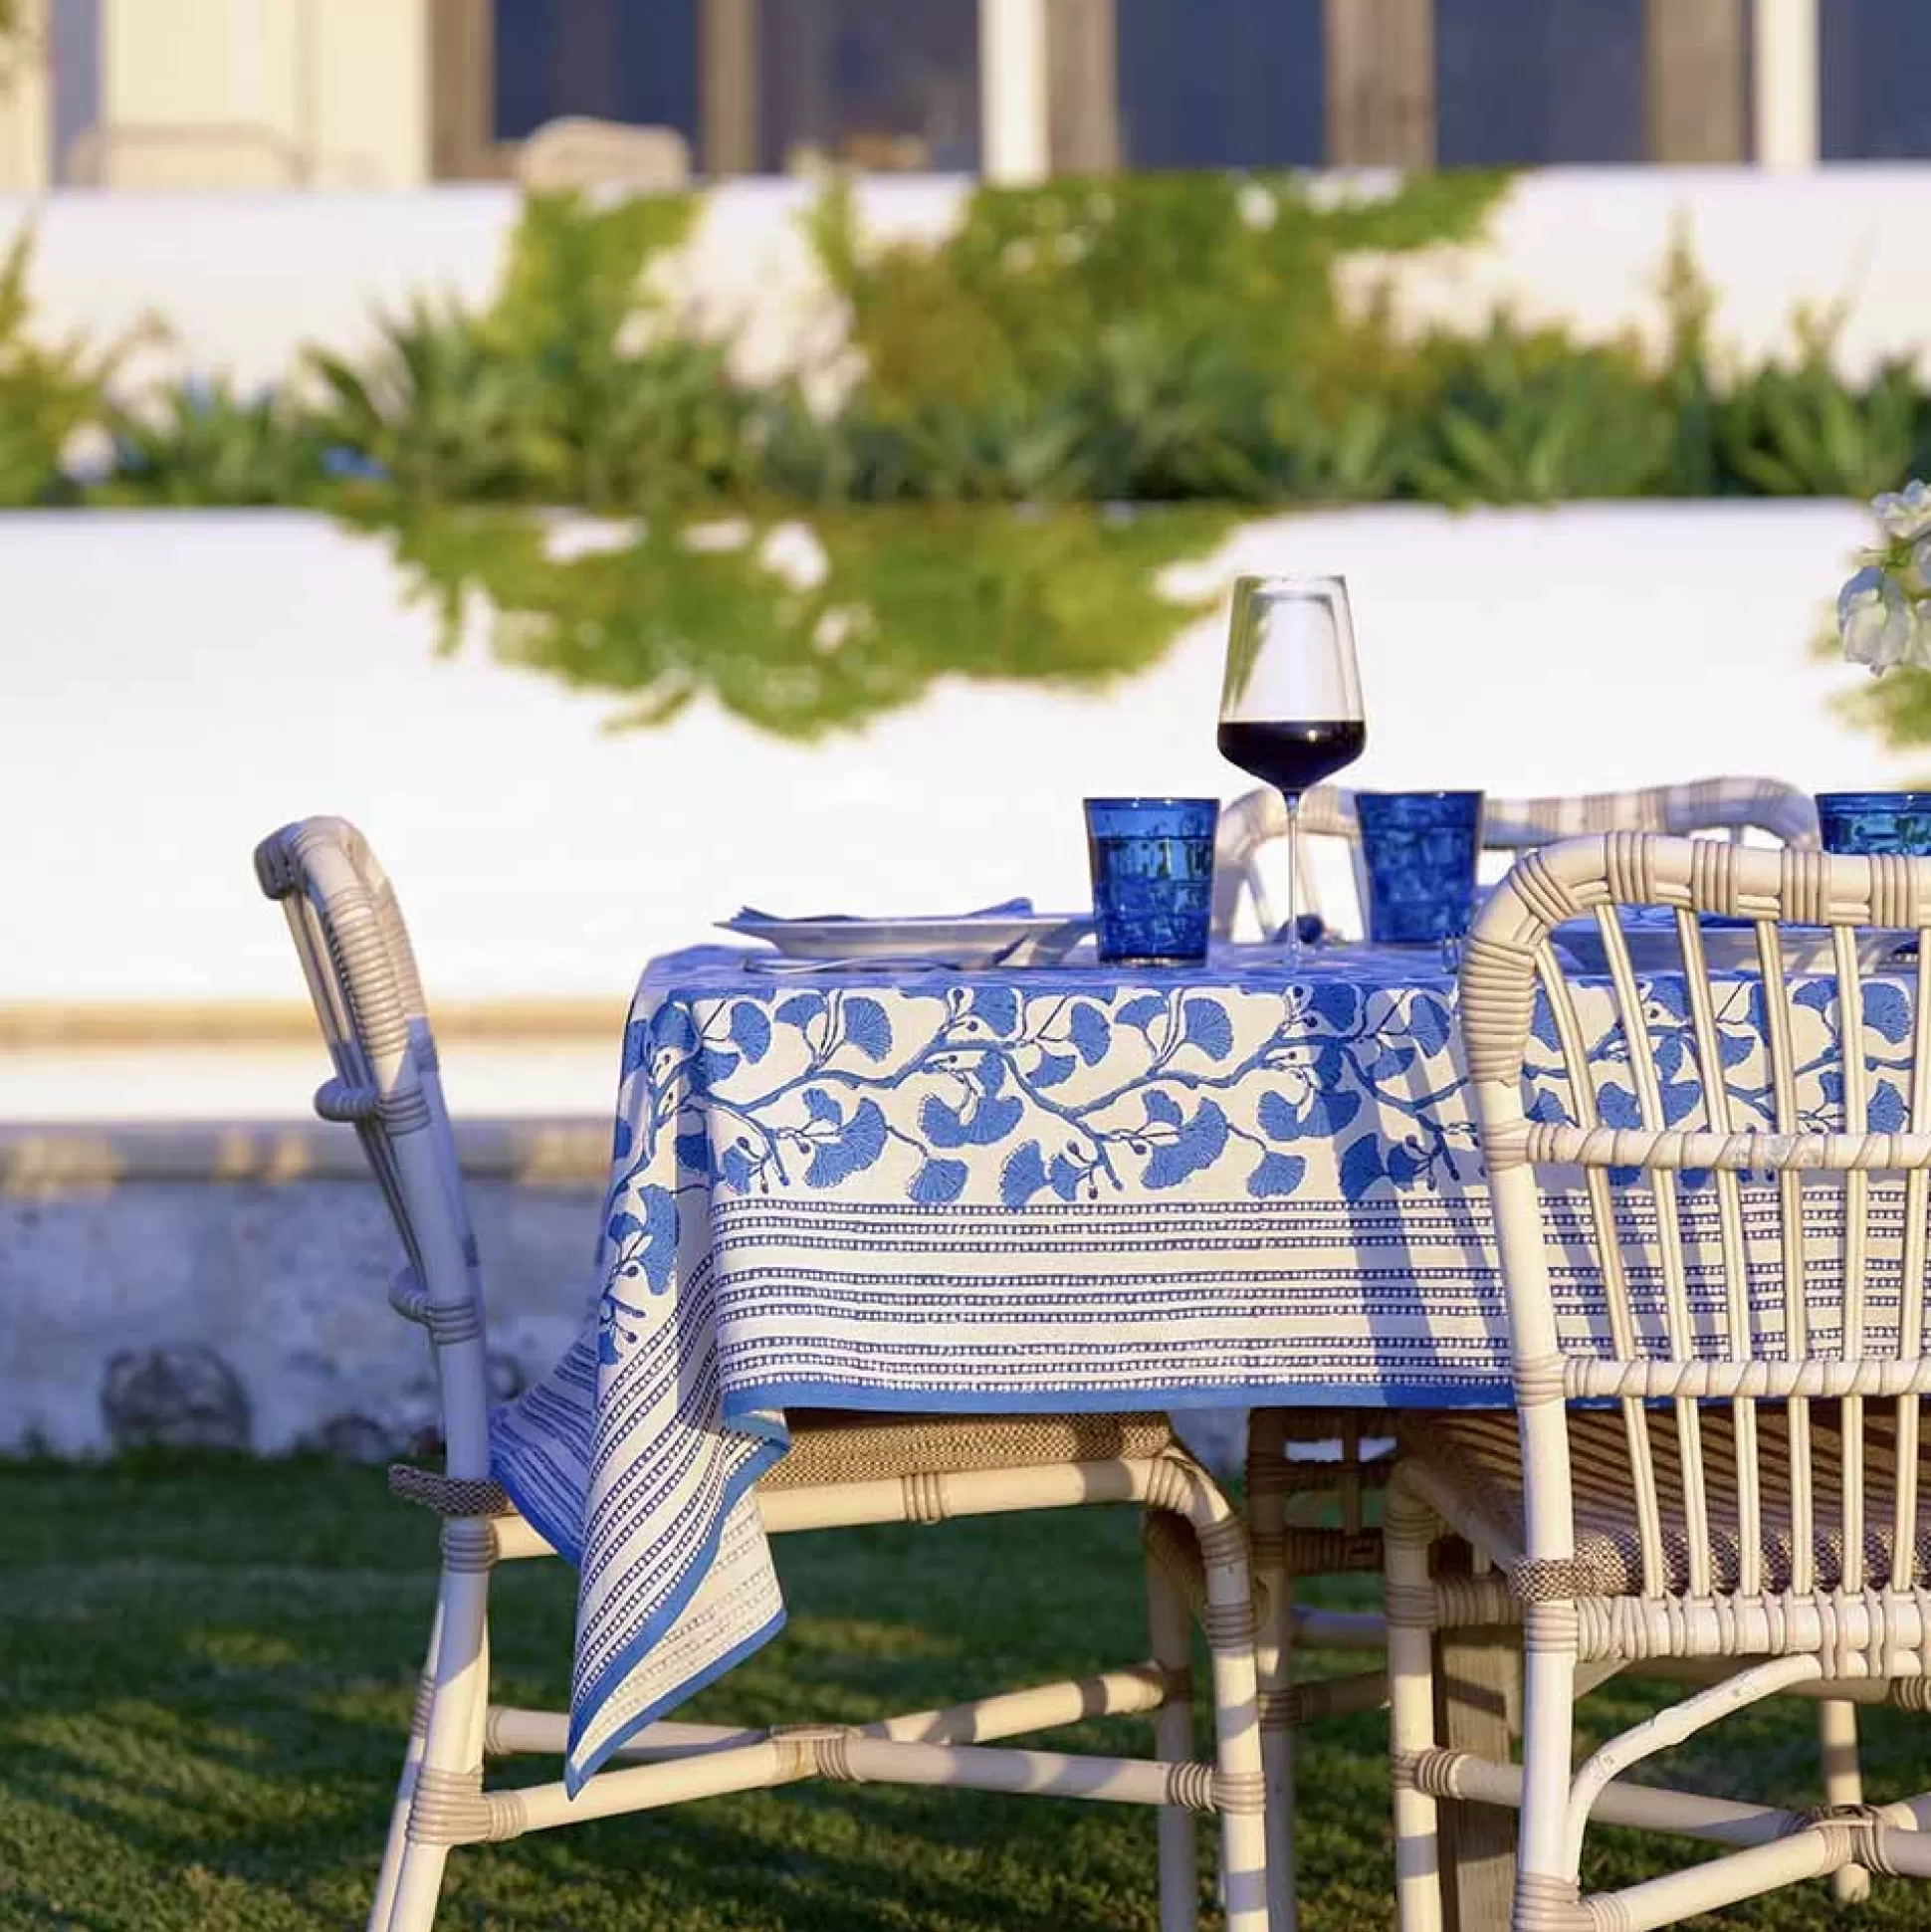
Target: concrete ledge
column 44, row 1160
column 264, row 1022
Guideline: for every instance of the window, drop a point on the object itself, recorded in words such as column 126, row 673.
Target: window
column 1208, row 84
column 1521, row 82
column 615, row 59
column 1876, row 80
column 879, row 83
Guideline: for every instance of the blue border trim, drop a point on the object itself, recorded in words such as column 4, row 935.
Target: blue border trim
column 748, row 1409
column 569, row 1547
column 772, row 1438
column 575, row 1780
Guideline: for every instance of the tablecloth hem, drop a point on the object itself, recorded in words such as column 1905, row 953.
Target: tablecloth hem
column 576, row 1779
column 771, row 1443
column 742, row 1407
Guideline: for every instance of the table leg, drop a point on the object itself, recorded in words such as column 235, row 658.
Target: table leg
column 1478, row 1677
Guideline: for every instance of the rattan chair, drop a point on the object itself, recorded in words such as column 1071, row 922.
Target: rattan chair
column 1254, row 823
column 1257, row 820
column 1285, row 1553
column 368, row 995
column 1738, row 806
column 1699, row 1484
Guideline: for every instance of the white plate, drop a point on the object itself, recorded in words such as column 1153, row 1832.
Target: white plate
column 970, row 939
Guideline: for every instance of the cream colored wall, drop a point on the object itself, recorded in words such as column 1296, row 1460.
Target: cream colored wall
column 373, row 94
column 265, row 93
column 26, row 104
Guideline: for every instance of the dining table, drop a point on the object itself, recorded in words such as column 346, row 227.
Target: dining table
column 918, row 1186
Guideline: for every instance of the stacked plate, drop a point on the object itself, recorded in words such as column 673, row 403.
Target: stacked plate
column 1010, row 935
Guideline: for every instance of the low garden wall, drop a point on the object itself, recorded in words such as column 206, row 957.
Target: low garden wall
column 226, row 1286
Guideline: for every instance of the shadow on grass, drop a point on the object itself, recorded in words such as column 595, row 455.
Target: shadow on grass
column 206, row 1671
column 214, row 1664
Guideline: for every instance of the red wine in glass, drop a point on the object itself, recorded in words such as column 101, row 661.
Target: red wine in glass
column 1293, row 757
column 1290, row 706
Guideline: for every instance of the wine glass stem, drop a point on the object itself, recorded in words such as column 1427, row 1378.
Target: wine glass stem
column 1293, row 934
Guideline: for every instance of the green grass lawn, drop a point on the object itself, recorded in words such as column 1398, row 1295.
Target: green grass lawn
column 205, row 1671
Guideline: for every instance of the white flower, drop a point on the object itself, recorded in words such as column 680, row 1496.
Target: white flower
column 1352, row 188
column 1876, row 621
column 1018, row 256
column 641, row 331
column 792, row 553
column 1905, row 514
column 569, row 537
column 727, row 534
column 839, row 624
column 88, row 454
column 1070, row 247
column 1257, row 207
column 1920, row 568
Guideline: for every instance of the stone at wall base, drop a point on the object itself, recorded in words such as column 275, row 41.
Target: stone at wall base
column 254, row 1315
column 180, row 1397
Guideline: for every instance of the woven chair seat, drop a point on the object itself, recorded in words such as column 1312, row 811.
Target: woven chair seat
column 835, row 1445
column 1478, row 1454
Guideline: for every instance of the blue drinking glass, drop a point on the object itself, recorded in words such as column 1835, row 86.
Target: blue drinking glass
column 1152, row 878
column 1421, row 849
column 1876, row 821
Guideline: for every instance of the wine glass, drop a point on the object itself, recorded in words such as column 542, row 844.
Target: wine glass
column 1290, row 708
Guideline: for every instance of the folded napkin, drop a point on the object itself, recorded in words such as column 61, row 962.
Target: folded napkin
column 751, row 915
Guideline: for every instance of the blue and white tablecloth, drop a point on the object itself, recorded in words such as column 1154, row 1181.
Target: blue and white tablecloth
column 1071, row 1187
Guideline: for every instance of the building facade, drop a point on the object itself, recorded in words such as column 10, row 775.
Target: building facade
column 352, row 95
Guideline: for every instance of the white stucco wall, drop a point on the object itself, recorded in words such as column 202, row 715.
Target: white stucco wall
column 172, row 685
column 242, row 280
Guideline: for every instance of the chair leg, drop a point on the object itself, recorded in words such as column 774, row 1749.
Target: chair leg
column 1546, row 1873
column 1274, row 1653
column 1408, row 1528
column 383, row 1903
column 1240, row 1783
column 1843, row 1784
column 1171, row 1630
column 449, row 1776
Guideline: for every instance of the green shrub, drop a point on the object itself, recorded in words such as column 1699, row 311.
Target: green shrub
column 673, row 611
column 1804, row 432
column 203, row 445
column 442, row 415
column 46, row 394
column 570, row 387
column 1172, row 341
column 1533, row 418
column 1155, row 337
